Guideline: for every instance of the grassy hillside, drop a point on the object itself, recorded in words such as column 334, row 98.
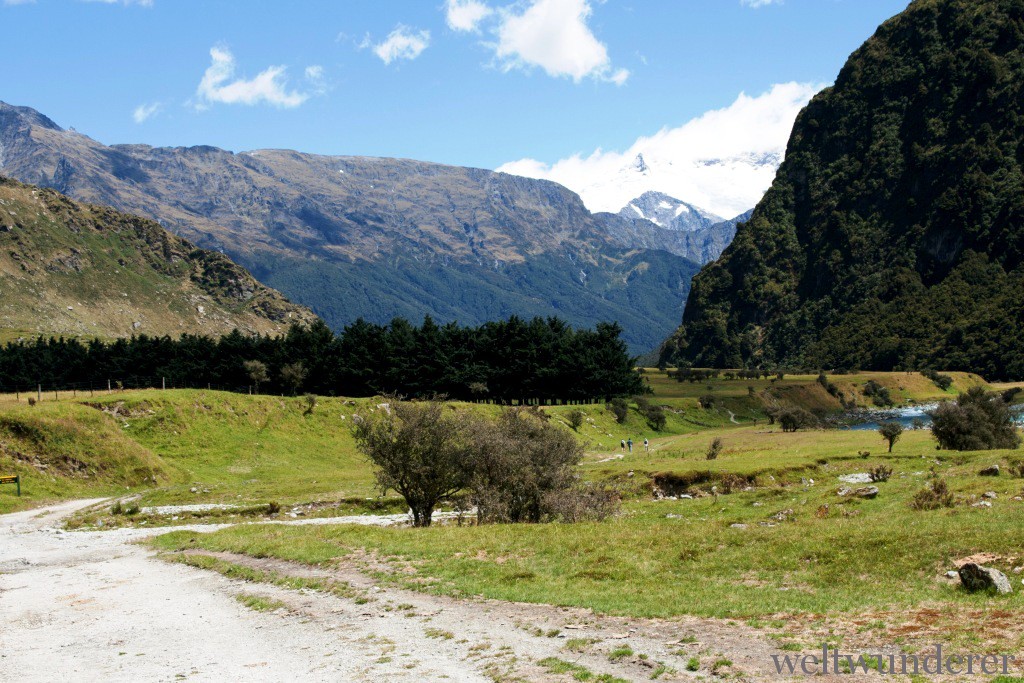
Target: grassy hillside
column 67, row 450
column 79, row 270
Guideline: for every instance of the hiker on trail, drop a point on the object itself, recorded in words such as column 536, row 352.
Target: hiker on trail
column 630, row 444
column 647, row 445
column 622, row 444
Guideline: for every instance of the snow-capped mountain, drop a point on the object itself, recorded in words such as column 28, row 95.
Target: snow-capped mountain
column 669, row 212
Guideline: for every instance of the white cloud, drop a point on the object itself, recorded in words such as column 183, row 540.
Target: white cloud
column 146, row 111
column 759, row 3
column 554, row 35
column 317, row 78
column 722, row 161
column 268, row 86
column 402, row 43
column 466, row 15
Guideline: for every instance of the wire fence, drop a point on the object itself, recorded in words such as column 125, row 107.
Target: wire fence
column 54, row 391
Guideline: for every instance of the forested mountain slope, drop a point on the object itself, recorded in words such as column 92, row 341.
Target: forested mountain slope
column 893, row 235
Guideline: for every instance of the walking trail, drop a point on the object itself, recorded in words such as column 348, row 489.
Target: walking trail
column 87, row 606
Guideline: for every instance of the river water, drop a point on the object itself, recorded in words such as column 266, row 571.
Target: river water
column 872, row 419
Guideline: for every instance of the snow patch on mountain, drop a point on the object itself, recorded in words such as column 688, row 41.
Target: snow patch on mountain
column 723, row 160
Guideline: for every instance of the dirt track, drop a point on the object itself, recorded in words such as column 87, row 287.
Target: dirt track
column 95, row 606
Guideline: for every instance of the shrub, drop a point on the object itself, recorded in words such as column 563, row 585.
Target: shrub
column 793, row 419
column 707, row 401
column 419, row 450
column 520, row 467
column 879, row 395
column 891, row 432
column 116, row 509
column 310, row 401
column 656, row 418
column 575, row 418
column 934, row 496
column 715, row 449
column 976, row 421
column 1017, row 468
column 292, row 376
column 880, row 473
column 132, row 509
column 619, row 408
column 273, row 507
column 31, row 401
column 581, row 504
column 943, row 382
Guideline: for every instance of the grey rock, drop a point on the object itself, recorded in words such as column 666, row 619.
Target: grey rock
column 867, row 492
column 858, row 478
column 992, row 471
column 974, row 577
column 990, row 495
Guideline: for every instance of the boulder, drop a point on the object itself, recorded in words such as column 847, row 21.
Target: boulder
column 974, row 577
column 866, row 492
column 992, row 471
column 857, row 478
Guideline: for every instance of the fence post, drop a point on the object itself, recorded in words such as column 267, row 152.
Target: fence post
column 108, row 386
column 163, row 384
column 39, row 393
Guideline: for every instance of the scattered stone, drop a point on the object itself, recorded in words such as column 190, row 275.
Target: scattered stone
column 686, row 496
column 867, row 492
column 737, row 526
column 845, row 491
column 193, row 490
column 974, row 577
column 858, row 478
column 982, row 504
column 991, row 495
column 952, row 574
column 672, row 515
column 757, row 503
column 992, row 471
column 1018, row 570
column 783, row 515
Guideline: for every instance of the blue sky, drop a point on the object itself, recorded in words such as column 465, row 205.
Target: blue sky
column 569, row 78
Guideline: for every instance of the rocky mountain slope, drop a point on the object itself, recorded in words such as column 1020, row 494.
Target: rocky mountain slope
column 655, row 220
column 893, row 236
column 75, row 269
column 377, row 238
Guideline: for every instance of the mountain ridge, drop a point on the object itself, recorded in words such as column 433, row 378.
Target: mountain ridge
column 374, row 237
column 68, row 268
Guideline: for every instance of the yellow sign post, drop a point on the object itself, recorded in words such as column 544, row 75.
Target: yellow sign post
column 11, row 479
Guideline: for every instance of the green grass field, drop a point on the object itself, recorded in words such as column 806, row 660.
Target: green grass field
column 800, row 549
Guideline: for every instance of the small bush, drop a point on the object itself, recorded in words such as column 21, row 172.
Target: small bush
column 707, row 401
column 619, row 408
column 31, row 401
column 715, row 449
column 943, row 382
column 1017, row 469
column 582, row 504
column 575, row 418
column 273, row 507
column 117, row 509
column 933, row 497
column 132, row 509
column 794, row 419
column 879, row 395
column 880, row 473
column 656, row 418
column 976, row 421
column 310, row 401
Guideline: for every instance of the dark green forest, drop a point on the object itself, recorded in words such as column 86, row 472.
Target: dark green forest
column 893, row 235
column 514, row 360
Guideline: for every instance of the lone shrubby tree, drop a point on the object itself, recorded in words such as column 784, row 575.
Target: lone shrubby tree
column 420, row 450
column 891, row 432
column 976, row 421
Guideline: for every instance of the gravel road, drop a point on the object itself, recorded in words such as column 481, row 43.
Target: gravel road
column 86, row 606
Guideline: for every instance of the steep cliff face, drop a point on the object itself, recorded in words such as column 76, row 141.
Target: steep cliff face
column 357, row 236
column 893, row 235
column 75, row 269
